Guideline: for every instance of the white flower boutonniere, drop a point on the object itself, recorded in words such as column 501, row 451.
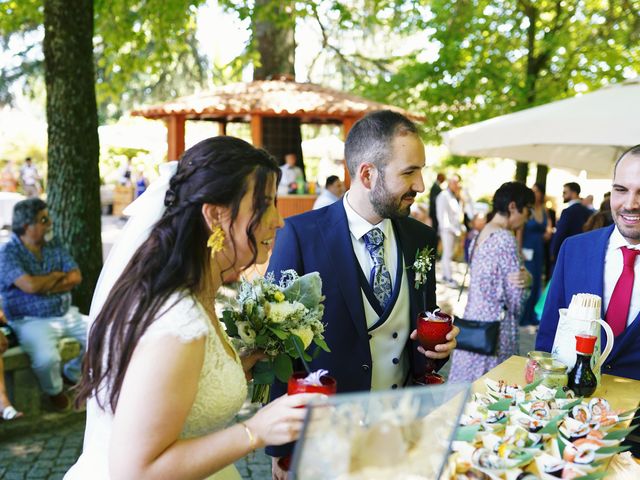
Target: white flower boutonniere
column 422, row 265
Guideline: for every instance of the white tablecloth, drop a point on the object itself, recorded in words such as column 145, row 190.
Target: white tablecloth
column 7, row 202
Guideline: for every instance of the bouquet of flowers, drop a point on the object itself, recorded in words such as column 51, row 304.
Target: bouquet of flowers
column 282, row 319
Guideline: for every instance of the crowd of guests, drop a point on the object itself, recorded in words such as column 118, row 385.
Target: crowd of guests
column 27, row 180
column 163, row 382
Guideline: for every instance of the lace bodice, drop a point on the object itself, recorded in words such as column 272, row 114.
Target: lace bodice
column 222, row 387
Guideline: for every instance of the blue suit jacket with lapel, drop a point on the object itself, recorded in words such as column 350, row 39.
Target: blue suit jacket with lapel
column 320, row 241
column 580, row 269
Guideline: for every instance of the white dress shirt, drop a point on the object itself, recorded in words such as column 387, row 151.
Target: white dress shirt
column 613, row 263
column 358, row 227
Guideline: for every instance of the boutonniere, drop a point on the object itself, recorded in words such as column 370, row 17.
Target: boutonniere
column 421, row 266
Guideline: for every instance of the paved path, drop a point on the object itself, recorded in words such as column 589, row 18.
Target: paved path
column 56, row 444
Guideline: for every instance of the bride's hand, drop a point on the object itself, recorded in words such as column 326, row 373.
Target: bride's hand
column 249, row 358
column 280, row 421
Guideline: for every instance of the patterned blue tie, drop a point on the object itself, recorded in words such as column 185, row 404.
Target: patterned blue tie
column 379, row 279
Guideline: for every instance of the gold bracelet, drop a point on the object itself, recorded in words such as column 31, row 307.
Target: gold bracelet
column 252, row 438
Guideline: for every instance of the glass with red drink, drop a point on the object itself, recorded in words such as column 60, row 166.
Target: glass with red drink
column 296, row 385
column 432, row 330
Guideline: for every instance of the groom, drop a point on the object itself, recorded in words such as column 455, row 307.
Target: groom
column 364, row 247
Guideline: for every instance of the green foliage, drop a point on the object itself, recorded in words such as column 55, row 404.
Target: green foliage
column 493, row 57
column 143, row 50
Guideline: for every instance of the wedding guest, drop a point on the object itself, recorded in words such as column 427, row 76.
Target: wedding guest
column 364, row 247
column 498, row 281
column 37, row 274
column 7, row 411
column 433, row 195
column 333, row 191
column 162, row 380
column 450, row 215
column 291, row 175
column 8, row 180
column 605, row 262
column 571, row 220
column 535, row 232
column 30, row 179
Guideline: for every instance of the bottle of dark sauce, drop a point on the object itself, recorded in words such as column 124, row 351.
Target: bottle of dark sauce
column 582, row 380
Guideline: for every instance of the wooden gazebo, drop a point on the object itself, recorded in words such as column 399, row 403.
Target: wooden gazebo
column 251, row 102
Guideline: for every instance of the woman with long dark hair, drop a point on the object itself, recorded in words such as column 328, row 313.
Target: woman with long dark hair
column 498, row 281
column 161, row 379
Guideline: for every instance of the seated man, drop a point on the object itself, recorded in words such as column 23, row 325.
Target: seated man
column 605, row 262
column 36, row 278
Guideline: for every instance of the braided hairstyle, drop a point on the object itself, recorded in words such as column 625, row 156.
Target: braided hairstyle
column 175, row 255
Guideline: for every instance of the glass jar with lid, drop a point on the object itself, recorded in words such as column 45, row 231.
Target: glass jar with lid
column 552, row 372
column 532, row 364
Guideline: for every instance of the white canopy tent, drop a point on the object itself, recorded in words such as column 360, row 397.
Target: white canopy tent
column 586, row 132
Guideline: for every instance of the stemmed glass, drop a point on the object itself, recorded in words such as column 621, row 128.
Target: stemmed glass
column 432, row 330
column 296, row 385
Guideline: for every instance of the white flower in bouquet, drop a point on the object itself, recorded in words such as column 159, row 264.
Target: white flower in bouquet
column 247, row 334
column 283, row 320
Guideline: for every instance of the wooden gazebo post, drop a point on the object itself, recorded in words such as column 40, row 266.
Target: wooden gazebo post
column 175, row 136
column 347, row 123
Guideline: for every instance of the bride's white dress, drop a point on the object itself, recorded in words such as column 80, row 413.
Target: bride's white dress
column 222, row 389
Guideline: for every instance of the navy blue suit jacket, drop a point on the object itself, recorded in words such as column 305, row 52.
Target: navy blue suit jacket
column 580, row 269
column 570, row 223
column 320, row 240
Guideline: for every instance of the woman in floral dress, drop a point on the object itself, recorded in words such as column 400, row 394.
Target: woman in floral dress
column 499, row 283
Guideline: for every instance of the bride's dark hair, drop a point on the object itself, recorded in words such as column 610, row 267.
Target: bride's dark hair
column 174, row 257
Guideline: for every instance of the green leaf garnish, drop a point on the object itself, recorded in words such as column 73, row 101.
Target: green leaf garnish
column 500, row 405
column 467, row 433
column 610, row 450
column 532, row 386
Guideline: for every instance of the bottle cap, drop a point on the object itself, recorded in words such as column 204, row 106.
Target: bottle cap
column 585, row 344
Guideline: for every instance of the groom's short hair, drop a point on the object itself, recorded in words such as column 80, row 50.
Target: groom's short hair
column 370, row 138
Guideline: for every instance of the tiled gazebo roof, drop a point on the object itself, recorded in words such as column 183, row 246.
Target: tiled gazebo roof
column 239, row 101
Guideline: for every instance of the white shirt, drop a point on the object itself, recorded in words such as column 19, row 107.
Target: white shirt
column 449, row 213
column 613, row 263
column 324, row 199
column 358, row 227
column 289, row 175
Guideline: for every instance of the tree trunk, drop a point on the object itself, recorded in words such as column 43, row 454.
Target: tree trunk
column 73, row 192
column 274, row 34
column 522, row 170
column 274, row 37
column 541, row 174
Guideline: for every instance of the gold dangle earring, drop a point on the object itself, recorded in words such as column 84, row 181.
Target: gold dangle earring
column 216, row 240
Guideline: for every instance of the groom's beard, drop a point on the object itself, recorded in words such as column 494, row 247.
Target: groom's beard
column 385, row 204
column 630, row 233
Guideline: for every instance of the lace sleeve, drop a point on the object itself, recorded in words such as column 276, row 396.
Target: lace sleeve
column 181, row 318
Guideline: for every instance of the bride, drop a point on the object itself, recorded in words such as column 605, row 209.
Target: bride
column 161, row 379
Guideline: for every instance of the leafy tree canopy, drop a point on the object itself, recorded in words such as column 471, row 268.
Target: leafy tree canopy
column 490, row 57
column 142, row 49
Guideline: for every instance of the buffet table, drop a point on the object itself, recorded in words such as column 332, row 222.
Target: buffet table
column 622, row 393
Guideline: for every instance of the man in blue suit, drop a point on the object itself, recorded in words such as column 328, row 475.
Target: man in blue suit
column 364, row 247
column 605, row 262
column 573, row 218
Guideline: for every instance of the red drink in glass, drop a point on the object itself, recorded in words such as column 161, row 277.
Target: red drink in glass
column 433, row 329
column 296, row 385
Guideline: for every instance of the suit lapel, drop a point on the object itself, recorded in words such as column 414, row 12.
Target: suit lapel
column 336, row 237
column 408, row 244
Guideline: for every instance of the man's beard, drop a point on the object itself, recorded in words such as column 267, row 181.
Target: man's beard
column 628, row 233
column 385, row 204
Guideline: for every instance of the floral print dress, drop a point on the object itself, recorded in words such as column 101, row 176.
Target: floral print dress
column 489, row 294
